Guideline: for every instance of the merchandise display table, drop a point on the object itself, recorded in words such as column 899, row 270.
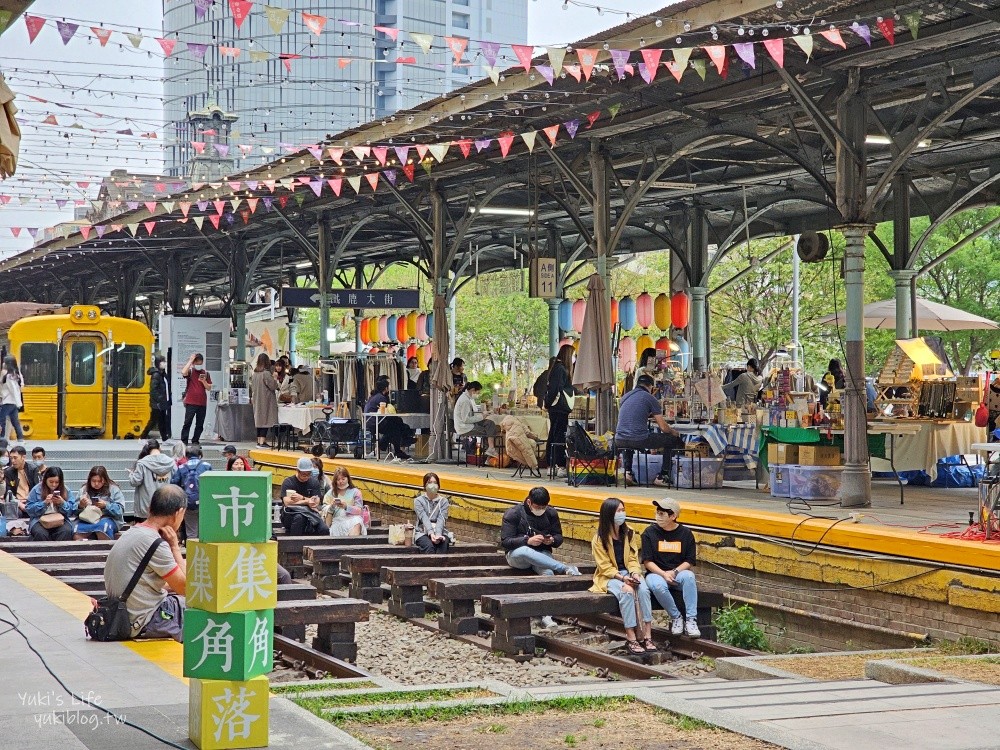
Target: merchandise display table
column 922, row 449
column 234, row 423
column 300, row 416
column 414, row 420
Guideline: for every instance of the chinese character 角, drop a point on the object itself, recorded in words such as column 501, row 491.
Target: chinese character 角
column 219, row 643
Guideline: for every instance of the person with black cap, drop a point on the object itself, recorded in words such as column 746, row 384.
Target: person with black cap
column 229, row 452
column 744, row 387
column 637, row 407
column 669, row 554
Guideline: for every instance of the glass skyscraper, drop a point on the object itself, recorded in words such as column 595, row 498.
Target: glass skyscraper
column 341, row 78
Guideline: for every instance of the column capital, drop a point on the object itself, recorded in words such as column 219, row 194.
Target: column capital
column 903, row 274
column 855, row 228
column 698, row 291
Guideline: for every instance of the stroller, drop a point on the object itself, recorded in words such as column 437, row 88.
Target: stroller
column 335, row 435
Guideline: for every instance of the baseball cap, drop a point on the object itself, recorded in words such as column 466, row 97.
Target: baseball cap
column 668, row 503
column 230, row 449
column 305, row 464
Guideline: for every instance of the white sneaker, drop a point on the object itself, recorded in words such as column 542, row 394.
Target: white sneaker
column 677, row 626
column 572, row 570
column 561, row 473
column 548, row 622
column 691, row 628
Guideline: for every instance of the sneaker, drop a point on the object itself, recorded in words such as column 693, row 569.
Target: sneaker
column 548, row 622
column 677, row 626
column 561, row 473
column 571, row 570
column 691, row 628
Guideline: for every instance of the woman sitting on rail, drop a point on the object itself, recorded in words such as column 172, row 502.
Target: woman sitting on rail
column 345, row 508
column 49, row 508
column 107, row 507
column 432, row 514
column 616, row 552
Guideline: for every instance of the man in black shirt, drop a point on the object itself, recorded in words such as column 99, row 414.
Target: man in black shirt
column 668, row 553
column 300, row 499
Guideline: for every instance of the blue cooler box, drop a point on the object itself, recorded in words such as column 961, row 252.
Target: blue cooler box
column 781, row 480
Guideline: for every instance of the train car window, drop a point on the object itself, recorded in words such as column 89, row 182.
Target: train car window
column 83, row 363
column 130, row 369
column 40, row 364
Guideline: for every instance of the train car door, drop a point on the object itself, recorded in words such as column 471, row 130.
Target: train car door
column 84, row 391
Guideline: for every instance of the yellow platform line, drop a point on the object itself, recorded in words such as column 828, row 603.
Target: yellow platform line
column 723, row 518
column 167, row 655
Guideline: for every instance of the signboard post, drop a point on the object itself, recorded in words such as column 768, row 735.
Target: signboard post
column 358, row 299
column 544, row 278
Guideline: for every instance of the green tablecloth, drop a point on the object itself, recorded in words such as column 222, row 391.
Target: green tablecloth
column 805, row 435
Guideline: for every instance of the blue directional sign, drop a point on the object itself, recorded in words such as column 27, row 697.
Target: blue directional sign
column 294, row 296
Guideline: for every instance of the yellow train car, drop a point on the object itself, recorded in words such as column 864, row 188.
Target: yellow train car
column 84, row 374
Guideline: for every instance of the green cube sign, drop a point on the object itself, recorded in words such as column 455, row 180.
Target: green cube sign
column 231, row 646
column 235, row 506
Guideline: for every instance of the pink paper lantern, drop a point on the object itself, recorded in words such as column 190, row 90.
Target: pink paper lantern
column 644, row 309
column 383, row 328
column 422, row 326
column 626, row 354
column 579, row 310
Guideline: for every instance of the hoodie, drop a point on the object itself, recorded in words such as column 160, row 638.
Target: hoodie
column 157, row 387
column 150, row 473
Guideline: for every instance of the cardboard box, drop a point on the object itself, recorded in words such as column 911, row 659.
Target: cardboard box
column 819, row 455
column 782, row 453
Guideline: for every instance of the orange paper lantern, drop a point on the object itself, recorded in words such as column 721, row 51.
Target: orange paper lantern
column 363, row 332
column 663, row 344
column 614, row 312
column 401, row 329
column 680, row 309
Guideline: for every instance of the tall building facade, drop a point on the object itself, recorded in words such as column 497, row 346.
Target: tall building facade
column 339, row 79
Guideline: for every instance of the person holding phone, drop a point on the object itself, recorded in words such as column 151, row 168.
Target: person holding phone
column 616, row 552
column 529, row 533
column 47, row 501
column 199, row 383
column 300, row 499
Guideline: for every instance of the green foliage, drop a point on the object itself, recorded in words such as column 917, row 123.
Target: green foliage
column 965, row 646
column 570, row 740
column 314, row 687
column 737, row 626
column 320, row 703
column 494, row 729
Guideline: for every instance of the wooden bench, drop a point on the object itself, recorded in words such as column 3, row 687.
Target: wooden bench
column 290, row 547
column 512, row 615
column 365, row 569
column 334, row 619
column 458, row 595
column 406, row 585
column 52, row 558
column 324, row 562
column 17, row 547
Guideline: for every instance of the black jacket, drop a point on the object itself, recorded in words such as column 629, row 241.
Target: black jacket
column 558, row 384
column 157, row 390
column 540, row 388
column 10, row 477
column 519, row 523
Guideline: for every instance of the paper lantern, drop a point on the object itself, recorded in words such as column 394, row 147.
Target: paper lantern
column 422, row 326
column 421, row 358
column 661, row 311
column 680, row 309
column 373, row 350
column 411, row 351
column 644, row 342
column 626, row 313
column 644, row 310
column 576, row 345
column 564, row 342
column 383, row 328
column 614, row 312
column 392, row 329
column 579, row 311
column 411, row 325
column 363, row 332
column 429, row 326
column 626, row 354
column 566, row 315
column 401, row 329
column 429, row 348
column 663, row 344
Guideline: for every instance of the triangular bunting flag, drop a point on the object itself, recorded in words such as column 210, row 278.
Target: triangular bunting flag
column 675, row 69
column 150, row 206
column 421, row 150
column 335, row 184
column 380, row 153
column 746, row 53
column 372, row 178
column 439, row 151
column 282, row 200
column 681, row 57
column 427, row 164
column 887, row 27
column 717, row 54
column 912, row 21
column 361, row 152
column 103, row 35
column 556, row 56
column 529, row 140
column 587, row 58
column 652, row 59
column 465, row 146
column 863, row 31
column 235, row 203
column 402, row 153
column 571, row 127
column 574, row 70
column 232, row 52
column 196, row 50
column 592, row 118
column 220, row 206
column 337, row 154
column 133, row 228
column 833, row 37
column 524, row 54
column 408, row 170
column 101, row 229
column 506, row 140
column 619, row 58
column 547, row 73
column 805, row 42
column 185, row 207
column 343, row 62
column 489, row 51
column 355, row 182
column 421, row 40
column 317, row 186
column 552, row 131
column 85, row 232
column 198, row 221
column 34, row 24
column 317, row 152
column 614, row 109
column 150, row 225
column 482, row 144
column 240, row 9
column 388, row 31
column 314, row 22
column 202, row 205
column 66, row 30
column 776, row 49
column 493, row 73
column 136, row 39
column 16, row 231
column 457, row 46
column 276, row 17
column 201, row 8
column 167, row 45
column 259, row 55
column 391, row 175
column 252, row 202
column 214, row 218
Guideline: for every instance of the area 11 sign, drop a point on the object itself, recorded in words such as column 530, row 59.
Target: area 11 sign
column 294, row 296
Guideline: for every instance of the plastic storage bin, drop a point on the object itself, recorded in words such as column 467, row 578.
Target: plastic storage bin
column 781, row 480
column 815, row 482
column 639, row 467
column 698, row 473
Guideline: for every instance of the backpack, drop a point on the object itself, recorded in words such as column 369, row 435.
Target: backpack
column 190, row 480
column 580, row 444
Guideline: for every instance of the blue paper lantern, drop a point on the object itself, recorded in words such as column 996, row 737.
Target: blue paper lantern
column 626, row 313
column 430, row 325
column 391, row 328
column 566, row 315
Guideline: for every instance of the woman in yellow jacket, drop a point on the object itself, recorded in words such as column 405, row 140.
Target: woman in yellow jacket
column 616, row 552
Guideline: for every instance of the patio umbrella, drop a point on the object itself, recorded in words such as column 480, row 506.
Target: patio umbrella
column 931, row 316
column 440, row 382
column 10, row 133
column 11, row 312
column 593, row 370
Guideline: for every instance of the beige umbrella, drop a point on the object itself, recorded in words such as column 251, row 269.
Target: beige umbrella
column 440, row 382
column 10, row 133
column 11, row 312
column 593, row 370
column 931, row 316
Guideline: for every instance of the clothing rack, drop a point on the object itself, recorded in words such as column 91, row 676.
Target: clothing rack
column 353, row 375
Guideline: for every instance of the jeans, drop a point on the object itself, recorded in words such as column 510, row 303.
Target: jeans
column 105, row 526
column 542, row 563
column 661, row 590
column 194, row 414
column 62, row 533
column 556, row 449
column 626, row 602
column 9, row 411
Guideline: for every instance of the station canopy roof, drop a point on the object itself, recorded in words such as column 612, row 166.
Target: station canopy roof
column 759, row 140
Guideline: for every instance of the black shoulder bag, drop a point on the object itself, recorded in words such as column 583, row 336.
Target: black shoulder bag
column 110, row 621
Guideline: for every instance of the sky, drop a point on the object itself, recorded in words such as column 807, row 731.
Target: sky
column 103, row 90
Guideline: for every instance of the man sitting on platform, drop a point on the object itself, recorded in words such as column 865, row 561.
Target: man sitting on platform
column 637, row 406
column 669, row 554
column 156, row 604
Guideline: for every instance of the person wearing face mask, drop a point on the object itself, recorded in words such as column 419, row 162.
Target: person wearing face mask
column 199, row 383
column 159, row 400
column 413, row 373
column 431, row 508
column 528, row 534
column 319, row 473
column 616, row 552
column 345, row 508
column 669, row 555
